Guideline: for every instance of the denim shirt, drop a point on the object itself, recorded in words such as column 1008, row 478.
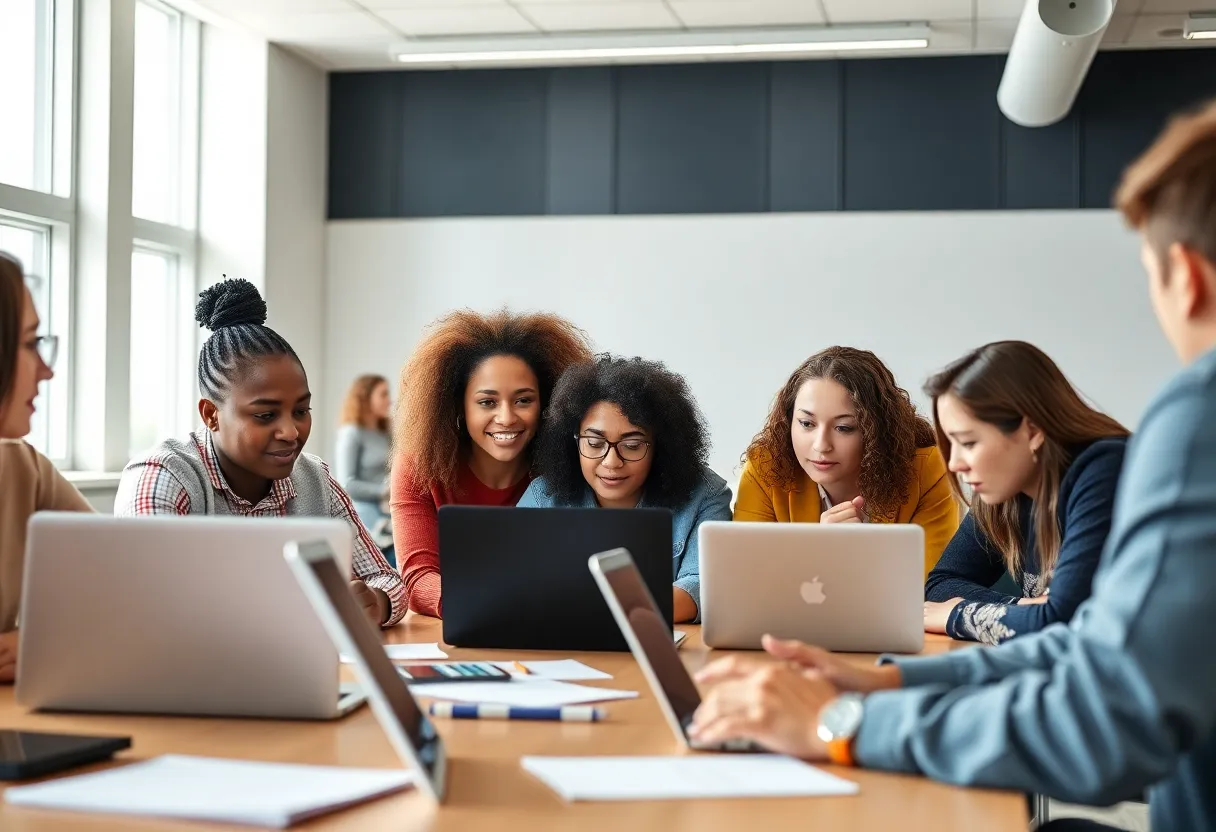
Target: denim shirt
column 710, row 501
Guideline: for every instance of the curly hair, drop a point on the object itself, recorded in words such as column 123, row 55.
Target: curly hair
column 651, row 397
column 891, row 429
column 432, row 388
column 355, row 409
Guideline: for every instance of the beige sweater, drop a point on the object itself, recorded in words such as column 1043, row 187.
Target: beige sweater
column 28, row 483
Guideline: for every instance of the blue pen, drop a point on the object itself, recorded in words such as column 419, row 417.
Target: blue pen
column 569, row 713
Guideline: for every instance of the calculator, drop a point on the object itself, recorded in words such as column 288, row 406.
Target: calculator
column 416, row 674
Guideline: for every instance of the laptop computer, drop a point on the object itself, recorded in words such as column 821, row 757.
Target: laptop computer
column 517, row 578
column 193, row 615
column 848, row 587
column 408, row 729
column 649, row 639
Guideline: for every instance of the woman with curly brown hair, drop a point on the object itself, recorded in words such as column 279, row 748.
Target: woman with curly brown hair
column 469, row 406
column 844, row 444
column 361, row 453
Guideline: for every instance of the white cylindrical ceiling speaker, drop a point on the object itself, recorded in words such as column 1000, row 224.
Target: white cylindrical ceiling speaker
column 1052, row 49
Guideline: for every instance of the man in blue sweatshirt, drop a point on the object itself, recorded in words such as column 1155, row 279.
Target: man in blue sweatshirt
column 1123, row 698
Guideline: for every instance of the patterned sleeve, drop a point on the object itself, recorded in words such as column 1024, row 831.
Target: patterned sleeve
column 367, row 560
column 150, row 488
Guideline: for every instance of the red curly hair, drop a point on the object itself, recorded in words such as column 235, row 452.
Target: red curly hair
column 891, row 429
column 433, row 381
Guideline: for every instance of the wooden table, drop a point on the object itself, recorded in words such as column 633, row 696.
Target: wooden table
column 488, row 789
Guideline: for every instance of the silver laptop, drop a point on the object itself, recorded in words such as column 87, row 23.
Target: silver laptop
column 408, row 729
column 191, row 615
column 649, row 638
column 849, row 587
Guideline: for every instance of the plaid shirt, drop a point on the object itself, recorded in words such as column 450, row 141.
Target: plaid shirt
column 184, row 477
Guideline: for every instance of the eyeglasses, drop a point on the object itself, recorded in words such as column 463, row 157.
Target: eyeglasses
column 48, row 348
column 597, row 447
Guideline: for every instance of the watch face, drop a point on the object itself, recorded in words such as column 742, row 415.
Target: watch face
column 841, row 718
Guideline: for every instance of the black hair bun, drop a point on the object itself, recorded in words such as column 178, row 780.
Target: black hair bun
column 230, row 303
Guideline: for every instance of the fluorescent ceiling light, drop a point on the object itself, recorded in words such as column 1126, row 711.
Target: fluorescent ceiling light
column 676, row 46
column 1200, row 26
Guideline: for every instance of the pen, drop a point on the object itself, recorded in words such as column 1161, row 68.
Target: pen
column 570, row 713
column 521, row 668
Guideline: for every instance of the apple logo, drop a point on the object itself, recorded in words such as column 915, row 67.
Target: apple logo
column 812, row 591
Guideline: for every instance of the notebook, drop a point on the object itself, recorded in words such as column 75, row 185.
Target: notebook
column 226, row 791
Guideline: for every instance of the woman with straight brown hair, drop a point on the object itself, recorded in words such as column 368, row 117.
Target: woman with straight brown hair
column 1044, row 465
column 844, row 444
column 30, row 481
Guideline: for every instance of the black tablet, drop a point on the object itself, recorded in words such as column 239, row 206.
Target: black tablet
column 27, row 754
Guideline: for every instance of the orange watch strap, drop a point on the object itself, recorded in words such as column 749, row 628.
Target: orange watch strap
column 840, row 751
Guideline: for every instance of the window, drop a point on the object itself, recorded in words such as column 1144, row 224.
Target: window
column 155, row 402
column 155, row 191
column 26, row 66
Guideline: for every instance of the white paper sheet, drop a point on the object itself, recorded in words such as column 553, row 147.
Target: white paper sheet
column 684, row 778
column 203, row 788
column 679, row 636
column 407, row 653
column 565, row 670
column 539, row 693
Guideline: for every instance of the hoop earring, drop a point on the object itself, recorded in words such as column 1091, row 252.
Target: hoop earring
column 459, row 428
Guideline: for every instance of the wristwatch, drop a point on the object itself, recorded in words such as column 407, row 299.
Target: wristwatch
column 839, row 720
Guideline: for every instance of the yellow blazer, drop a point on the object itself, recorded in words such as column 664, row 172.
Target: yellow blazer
column 931, row 503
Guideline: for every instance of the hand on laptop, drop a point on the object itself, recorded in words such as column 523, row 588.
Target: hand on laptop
column 374, row 602
column 850, row 512
column 8, row 657
column 840, row 673
column 775, row 705
column 937, row 614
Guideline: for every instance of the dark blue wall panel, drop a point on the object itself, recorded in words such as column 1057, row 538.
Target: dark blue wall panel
column 692, row 139
column 887, row 134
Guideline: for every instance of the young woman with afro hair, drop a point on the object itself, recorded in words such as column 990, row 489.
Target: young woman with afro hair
column 623, row 433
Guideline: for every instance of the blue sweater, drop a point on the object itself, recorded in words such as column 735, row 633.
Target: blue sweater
column 971, row 563
column 710, row 501
column 1122, row 698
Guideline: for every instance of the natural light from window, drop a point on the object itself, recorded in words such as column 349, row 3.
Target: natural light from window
column 157, row 157
column 153, row 357
column 24, row 98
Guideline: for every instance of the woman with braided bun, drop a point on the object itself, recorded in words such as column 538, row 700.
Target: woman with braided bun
column 256, row 410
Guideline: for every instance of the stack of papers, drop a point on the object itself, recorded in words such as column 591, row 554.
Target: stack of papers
column 227, row 791
column 539, row 693
column 684, row 778
column 566, row 670
column 406, row 653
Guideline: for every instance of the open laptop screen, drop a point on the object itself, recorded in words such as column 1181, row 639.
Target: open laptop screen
column 363, row 641
column 653, row 635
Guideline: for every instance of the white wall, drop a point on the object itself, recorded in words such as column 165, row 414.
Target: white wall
column 736, row 302
column 295, row 220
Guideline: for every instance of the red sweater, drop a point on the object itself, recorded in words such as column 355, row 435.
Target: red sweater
column 416, row 527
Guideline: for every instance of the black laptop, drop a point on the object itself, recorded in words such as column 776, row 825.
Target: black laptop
column 517, row 578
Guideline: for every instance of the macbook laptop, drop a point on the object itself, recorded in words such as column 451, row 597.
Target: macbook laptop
column 649, row 639
column 410, row 732
column 195, row 615
column 517, row 578
column 848, row 587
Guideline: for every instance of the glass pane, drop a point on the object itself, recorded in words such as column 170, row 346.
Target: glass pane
column 24, row 98
column 156, row 162
column 153, row 354
column 29, row 245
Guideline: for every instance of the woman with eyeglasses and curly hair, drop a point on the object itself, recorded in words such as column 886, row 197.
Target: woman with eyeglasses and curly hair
column 469, row 406
column 623, row 433
column 844, row 444
column 31, row 483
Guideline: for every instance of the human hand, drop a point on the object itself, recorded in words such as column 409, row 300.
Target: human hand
column 373, row 602
column 937, row 614
column 776, row 706
column 1041, row 599
column 850, row 512
column 8, row 657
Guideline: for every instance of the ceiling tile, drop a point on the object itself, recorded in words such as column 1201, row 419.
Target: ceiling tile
column 233, row 8
column 949, row 36
column 711, row 13
column 998, row 9
column 465, row 20
column 601, row 16
column 1180, row 7
column 397, row 5
column 885, row 11
column 994, row 35
column 312, row 25
column 1118, row 30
